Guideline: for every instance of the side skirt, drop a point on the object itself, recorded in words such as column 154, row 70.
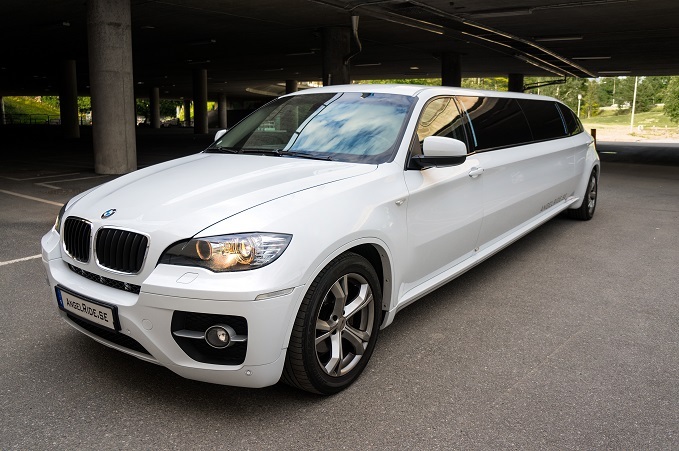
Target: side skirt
column 496, row 246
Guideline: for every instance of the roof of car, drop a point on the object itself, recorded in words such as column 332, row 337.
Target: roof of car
column 419, row 91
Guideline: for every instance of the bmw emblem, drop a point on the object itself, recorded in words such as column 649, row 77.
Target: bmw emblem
column 108, row 213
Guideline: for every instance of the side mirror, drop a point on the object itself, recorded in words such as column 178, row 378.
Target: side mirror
column 439, row 151
column 220, row 133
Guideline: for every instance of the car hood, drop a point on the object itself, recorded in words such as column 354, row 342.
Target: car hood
column 187, row 195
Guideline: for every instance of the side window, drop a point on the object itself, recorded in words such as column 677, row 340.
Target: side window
column 441, row 117
column 496, row 122
column 572, row 122
column 544, row 119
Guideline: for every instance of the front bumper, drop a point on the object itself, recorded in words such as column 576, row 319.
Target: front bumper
column 147, row 319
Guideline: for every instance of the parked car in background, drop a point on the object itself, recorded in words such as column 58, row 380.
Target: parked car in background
column 281, row 250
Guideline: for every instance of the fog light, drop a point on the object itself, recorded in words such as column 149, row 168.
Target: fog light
column 219, row 336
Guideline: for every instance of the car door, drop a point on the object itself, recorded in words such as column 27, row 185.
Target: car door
column 524, row 171
column 444, row 208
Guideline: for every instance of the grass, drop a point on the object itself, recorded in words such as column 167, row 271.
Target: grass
column 28, row 105
column 651, row 118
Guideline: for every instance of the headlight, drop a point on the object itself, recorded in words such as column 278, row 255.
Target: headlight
column 238, row 252
column 57, row 223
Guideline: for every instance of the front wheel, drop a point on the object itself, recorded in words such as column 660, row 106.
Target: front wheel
column 336, row 327
column 586, row 211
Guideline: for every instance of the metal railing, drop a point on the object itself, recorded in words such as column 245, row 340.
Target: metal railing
column 30, row 119
column 37, row 119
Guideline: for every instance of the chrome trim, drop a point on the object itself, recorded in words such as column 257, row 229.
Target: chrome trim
column 193, row 334
column 196, row 335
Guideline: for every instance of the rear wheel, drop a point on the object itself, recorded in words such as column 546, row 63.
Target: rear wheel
column 336, row 327
column 586, row 211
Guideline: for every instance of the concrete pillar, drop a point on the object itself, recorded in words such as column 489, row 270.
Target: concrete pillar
column 154, row 107
column 200, row 101
column 451, row 70
column 336, row 47
column 290, row 86
column 515, row 83
column 187, row 113
column 221, row 111
column 68, row 100
column 109, row 43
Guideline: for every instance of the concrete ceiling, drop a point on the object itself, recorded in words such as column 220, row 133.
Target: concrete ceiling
column 250, row 46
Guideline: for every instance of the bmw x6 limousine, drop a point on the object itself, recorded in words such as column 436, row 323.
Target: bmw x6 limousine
column 281, row 250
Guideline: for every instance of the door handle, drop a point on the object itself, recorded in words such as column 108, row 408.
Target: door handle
column 475, row 172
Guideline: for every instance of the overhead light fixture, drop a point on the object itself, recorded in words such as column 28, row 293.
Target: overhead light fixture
column 414, row 68
column 66, row 23
column 277, row 69
column 591, row 57
column 367, row 64
column 148, row 27
column 557, row 38
column 310, row 52
column 204, row 42
column 507, row 12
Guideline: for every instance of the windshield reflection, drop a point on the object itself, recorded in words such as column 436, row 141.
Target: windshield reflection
column 350, row 126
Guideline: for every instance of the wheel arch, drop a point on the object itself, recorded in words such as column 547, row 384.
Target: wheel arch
column 592, row 163
column 379, row 259
column 378, row 255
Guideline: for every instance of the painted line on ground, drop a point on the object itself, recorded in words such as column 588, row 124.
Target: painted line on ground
column 41, row 177
column 9, row 262
column 47, row 185
column 31, row 198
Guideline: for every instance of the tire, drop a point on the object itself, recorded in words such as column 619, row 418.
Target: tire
column 586, row 211
column 336, row 327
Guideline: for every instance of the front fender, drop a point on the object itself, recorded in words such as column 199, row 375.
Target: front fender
column 327, row 220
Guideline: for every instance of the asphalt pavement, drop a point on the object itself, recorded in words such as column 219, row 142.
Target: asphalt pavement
column 568, row 339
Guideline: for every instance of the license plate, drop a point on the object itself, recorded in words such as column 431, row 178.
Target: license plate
column 93, row 311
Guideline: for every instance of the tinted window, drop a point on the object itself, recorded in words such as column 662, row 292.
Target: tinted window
column 572, row 122
column 441, row 117
column 544, row 119
column 496, row 122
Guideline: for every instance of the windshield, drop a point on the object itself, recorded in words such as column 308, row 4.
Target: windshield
column 350, row 126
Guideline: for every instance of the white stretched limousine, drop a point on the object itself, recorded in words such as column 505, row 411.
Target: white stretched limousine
column 280, row 251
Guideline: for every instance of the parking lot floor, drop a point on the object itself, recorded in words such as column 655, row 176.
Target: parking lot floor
column 567, row 339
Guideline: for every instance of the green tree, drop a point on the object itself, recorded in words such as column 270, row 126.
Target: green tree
column 84, row 104
column 491, row 83
column 143, row 108
column 653, row 89
column 168, row 108
column 672, row 99
column 50, row 100
column 591, row 98
column 406, row 81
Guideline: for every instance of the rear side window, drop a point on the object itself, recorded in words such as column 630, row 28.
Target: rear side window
column 496, row 122
column 544, row 119
column 572, row 122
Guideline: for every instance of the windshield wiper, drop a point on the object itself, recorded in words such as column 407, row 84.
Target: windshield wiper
column 221, row 150
column 287, row 153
